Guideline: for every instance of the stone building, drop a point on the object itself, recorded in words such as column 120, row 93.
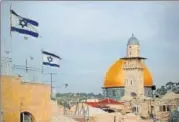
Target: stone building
column 128, row 74
column 166, row 105
column 25, row 101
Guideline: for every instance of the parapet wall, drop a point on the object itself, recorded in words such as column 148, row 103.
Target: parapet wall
column 18, row 96
column 10, row 90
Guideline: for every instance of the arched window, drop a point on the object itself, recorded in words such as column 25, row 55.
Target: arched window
column 26, row 117
column 131, row 82
column 114, row 93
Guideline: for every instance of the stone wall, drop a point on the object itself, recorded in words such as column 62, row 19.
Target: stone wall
column 10, row 87
column 18, row 96
column 35, row 98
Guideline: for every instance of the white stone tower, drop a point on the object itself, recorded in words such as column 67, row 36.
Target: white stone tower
column 133, row 68
column 133, row 47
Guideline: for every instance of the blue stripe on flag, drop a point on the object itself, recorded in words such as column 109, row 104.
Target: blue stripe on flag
column 47, row 53
column 35, row 23
column 53, row 65
column 23, row 31
column 31, row 22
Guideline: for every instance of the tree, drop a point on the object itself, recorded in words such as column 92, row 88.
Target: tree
column 169, row 86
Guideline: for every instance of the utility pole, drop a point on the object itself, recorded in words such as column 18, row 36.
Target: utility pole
column 51, row 84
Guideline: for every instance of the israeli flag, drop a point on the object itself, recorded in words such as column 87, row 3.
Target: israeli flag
column 51, row 59
column 23, row 25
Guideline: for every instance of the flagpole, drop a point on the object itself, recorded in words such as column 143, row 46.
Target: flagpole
column 51, row 86
column 10, row 18
column 1, row 112
column 42, row 64
column 11, row 50
column 10, row 24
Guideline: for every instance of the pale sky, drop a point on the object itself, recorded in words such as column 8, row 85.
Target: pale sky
column 90, row 36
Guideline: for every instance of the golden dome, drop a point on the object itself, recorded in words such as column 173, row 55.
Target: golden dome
column 115, row 76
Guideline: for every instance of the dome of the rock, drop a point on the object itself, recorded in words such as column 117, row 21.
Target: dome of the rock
column 115, row 76
column 128, row 74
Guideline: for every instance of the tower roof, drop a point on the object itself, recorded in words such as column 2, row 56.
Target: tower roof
column 133, row 40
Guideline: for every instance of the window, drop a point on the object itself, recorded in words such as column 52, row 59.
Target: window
column 164, row 108
column 168, row 108
column 131, row 82
column 26, row 117
column 114, row 93
column 136, row 109
column 109, row 94
column 152, row 107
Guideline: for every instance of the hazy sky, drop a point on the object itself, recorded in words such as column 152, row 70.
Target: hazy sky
column 90, row 36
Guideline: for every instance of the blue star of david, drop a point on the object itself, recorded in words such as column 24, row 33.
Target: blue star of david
column 23, row 23
column 50, row 59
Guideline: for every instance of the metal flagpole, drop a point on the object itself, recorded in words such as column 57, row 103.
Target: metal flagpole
column 10, row 18
column 1, row 112
column 11, row 50
column 42, row 65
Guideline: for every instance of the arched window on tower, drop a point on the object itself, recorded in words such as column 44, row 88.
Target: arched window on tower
column 131, row 82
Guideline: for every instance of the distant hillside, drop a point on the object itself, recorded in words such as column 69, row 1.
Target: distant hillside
column 78, row 95
column 61, row 97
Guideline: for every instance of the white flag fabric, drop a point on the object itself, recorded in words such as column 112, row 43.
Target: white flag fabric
column 23, row 25
column 51, row 59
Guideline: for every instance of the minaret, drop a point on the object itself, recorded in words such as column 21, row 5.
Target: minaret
column 133, row 68
column 133, row 47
